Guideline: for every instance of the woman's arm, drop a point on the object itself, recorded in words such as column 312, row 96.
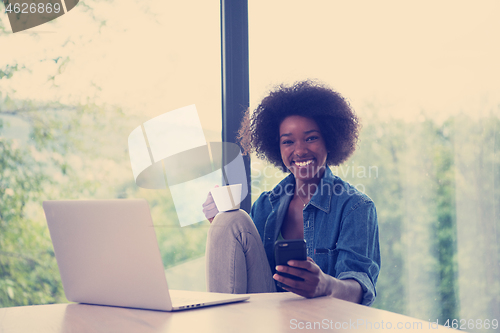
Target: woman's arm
column 358, row 249
column 348, row 290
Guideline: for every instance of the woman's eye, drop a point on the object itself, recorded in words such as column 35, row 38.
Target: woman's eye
column 287, row 142
column 312, row 138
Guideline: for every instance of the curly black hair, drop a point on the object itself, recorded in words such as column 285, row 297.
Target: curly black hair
column 338, row 123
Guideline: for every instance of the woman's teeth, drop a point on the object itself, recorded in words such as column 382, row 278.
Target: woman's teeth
column 302, row 164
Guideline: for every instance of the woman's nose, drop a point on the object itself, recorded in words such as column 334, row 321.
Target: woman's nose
column 300, row 149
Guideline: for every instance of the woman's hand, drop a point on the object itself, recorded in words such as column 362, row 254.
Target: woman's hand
column 209, row 207
column 316, row 283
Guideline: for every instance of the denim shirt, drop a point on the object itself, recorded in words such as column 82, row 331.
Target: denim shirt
column 340, row 229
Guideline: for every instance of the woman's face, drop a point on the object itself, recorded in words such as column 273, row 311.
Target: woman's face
column 302, row 147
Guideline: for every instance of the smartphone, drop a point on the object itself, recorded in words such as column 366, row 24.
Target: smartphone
column 289, row 249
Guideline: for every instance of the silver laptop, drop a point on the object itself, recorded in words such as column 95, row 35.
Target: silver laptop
column 108, row 254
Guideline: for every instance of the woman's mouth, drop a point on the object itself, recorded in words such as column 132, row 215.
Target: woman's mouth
column 302, row 164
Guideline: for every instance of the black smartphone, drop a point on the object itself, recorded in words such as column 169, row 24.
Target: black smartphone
column 289, row 249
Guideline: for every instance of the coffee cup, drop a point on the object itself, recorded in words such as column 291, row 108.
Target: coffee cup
column 227, row 198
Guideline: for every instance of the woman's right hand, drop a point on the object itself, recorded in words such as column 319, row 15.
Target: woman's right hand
column 209, row 207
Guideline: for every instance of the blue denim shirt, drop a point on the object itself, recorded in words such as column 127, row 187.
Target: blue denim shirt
column 340, row 229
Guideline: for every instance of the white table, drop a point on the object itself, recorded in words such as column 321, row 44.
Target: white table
column 276, row 312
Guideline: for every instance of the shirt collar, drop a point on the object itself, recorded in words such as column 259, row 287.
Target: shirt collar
column 321, row 199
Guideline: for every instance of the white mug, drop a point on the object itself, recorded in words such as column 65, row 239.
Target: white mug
column 227, row 198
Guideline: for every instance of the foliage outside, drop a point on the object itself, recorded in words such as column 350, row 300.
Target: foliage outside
column 429, row 181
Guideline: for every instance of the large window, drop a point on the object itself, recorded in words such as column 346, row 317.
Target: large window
column 424, row 79
column 71, row 91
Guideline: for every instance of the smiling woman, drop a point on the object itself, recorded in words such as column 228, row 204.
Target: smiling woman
column 302, row 129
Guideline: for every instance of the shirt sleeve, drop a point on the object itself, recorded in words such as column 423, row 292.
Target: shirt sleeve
column 358, row 249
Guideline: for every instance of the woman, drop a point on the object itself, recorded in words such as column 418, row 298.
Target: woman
column 301, row 129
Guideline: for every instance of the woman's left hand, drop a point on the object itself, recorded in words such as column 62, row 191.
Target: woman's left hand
column 316, row 283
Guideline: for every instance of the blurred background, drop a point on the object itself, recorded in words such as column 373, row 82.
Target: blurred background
column 423, row 77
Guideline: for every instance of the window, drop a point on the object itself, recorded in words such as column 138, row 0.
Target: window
column 423, row 78
column 71, row 91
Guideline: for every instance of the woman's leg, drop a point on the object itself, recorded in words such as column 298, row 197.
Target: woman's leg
column 236, row 259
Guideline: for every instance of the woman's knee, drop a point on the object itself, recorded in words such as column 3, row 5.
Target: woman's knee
column 238, row 219
column 228, row 226
column 235, row 221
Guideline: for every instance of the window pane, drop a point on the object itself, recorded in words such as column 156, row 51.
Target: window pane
column 71, row 92
column 424, row 79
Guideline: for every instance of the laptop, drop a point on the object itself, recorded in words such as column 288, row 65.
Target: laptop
column 108, row 254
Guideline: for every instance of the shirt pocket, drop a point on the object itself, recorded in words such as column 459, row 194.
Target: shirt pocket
column 326, row 259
